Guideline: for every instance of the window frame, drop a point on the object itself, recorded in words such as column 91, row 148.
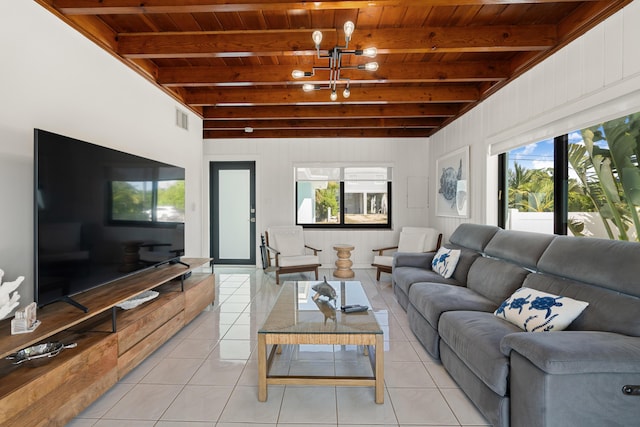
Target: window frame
column 341, row 181
column 560, row 186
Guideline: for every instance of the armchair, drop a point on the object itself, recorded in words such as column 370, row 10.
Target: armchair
column 288, row 252
column 412, row 239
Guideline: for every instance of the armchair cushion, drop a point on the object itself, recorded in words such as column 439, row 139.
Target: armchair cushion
column 289, row 241
column 386, row 260
column 290, row 244
column 411, row 242
column 297, row 260
column 288, row 252
column 430, row 241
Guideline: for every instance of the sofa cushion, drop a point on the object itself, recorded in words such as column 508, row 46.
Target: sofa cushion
column 445, row 261
column 474, row 337
column 426, row 334
column 467, row 258
column 576, row 352
column 581, row 260
column 608, row 310
column 508, row 245
column 495, row 279
column 405, row 277
column 433, row 299
column 536, row 311
column 473, row 236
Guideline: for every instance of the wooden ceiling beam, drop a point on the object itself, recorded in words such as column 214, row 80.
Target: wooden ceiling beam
column 500, row 38
column 319, row 133
column 367, row 95
column 330, row 111
column 421, row 72
column 123, row 7
column 339, row 123
column 241, row 78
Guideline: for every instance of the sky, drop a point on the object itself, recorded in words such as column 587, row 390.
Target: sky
column 539, row 155
column 533, row 156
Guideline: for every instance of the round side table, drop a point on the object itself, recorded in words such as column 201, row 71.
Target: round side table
column 344, row 263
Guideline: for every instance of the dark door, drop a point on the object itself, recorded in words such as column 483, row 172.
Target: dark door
column 233, row 212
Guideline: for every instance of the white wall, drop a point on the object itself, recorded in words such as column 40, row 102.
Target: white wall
column 55, row 79
column 275, row 191
column 594, row 79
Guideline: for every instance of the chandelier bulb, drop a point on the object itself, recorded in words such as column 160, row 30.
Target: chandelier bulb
column 335, row 64
column 348, row 29
column 370, row 52
column 317, row 38
column 371, row 66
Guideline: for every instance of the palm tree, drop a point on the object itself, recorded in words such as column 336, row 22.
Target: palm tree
column 530, row 190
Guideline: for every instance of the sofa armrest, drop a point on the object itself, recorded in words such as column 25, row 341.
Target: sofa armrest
column 576, row 352
column 410, row 259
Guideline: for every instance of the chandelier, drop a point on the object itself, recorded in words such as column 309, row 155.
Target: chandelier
column 335, row 63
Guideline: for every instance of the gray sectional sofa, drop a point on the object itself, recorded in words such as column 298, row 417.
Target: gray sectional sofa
column 576, row 377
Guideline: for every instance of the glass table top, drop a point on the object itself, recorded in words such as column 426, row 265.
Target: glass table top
column 301, row 310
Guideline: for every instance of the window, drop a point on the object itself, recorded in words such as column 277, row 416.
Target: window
column 152, row 201
column 350, row 197
column 584, row 183
column 530, row 190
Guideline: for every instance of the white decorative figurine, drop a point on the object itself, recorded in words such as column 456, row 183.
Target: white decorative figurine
column 8, row 302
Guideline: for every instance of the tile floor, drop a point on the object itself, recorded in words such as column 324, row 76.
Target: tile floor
column 206, row 375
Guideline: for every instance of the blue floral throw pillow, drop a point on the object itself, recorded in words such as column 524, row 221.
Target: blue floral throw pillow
column 445, row 261
column 536, row 311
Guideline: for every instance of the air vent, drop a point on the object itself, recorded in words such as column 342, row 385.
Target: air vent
column 182, row 119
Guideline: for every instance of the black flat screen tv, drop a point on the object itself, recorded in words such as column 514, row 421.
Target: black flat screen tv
column 100, row 215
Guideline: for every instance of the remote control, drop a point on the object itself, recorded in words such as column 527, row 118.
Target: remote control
column 355, row 308
column 346, row 307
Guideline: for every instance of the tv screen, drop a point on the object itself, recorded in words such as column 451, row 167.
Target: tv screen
column 100, row 215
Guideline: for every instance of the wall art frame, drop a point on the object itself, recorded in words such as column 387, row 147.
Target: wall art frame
column 452, row 195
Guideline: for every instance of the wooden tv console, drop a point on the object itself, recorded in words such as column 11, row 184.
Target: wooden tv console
column 111, row 342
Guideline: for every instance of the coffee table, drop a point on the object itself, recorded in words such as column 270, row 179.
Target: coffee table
column 299, row 318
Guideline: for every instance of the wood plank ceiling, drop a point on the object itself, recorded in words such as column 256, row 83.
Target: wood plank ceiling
column 230, row 61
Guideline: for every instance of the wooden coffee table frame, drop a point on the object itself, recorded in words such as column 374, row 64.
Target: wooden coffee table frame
column 373, row 342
